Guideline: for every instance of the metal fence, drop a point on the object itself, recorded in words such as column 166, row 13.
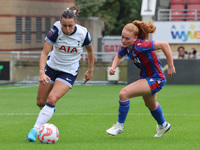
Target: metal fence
column 99, row 56
column 178, row 15
column 35, row 55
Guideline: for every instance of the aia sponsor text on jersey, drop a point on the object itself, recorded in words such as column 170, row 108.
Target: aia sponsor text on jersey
column 68, row 49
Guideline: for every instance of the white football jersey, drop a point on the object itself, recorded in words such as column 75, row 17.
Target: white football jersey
column 67, row 49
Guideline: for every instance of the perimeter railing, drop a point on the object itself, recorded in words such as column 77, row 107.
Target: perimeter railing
column 178, row 15
column 99, row 56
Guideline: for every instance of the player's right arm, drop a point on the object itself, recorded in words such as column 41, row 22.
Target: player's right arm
column 115, row 63
column 44, row 79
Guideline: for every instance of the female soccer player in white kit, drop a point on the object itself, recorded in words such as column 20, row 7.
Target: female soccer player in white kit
column 59, row 70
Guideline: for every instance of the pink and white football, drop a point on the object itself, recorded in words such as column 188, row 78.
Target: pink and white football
column 48, row 134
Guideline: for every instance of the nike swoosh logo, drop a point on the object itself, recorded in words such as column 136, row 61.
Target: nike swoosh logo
column 68, row 79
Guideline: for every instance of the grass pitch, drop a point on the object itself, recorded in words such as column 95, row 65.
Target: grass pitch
column 85, row 112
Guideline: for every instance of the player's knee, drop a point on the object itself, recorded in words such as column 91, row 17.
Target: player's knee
column 40, row 102
column 52, row 100
column 123, row 94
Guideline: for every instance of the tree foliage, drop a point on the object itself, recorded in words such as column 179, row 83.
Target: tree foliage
column 115, row 13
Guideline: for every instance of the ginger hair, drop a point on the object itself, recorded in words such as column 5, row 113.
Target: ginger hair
column 141, row 29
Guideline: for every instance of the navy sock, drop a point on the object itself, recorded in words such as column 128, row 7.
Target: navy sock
column 52, row 106
column 158, row 115
column 123, row 110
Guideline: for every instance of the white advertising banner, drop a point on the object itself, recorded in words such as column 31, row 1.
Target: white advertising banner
column 177, row 32
column 110, row 46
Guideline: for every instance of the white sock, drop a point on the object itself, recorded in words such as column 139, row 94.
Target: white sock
column 120, row 124
column 44, row 116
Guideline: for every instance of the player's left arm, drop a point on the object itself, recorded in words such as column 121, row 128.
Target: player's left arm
column 164, row 46
column 89, row 72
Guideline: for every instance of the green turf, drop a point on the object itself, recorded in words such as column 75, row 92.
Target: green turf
column 83, row 115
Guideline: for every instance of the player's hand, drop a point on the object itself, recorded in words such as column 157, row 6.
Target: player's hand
column 171, row 71
column 111, row 71
column 88, row 76
column 44, row 79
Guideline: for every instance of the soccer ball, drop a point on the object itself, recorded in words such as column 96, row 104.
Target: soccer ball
column 48, row 134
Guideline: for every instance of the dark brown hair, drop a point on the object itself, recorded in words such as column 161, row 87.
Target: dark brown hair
column 180, row 48
column 71, row 12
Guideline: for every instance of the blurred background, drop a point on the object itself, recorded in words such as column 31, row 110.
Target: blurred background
column 25, row 23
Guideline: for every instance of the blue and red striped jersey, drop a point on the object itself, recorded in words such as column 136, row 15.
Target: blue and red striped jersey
column 144, row 57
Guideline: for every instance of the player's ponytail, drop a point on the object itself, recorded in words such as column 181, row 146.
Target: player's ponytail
column 144, row 29
column 71, row 12
column 75, row 9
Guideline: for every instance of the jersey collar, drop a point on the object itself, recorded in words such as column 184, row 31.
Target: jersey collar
column 72, row 32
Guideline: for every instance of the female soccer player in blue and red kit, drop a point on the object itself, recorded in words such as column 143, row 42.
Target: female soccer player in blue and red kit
column 152, row 78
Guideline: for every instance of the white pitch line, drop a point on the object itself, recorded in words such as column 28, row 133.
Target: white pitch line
column 93, row 114
column 17, row 87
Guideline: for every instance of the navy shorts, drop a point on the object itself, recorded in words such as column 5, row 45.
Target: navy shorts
column 67, row 78
column 155, row 84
